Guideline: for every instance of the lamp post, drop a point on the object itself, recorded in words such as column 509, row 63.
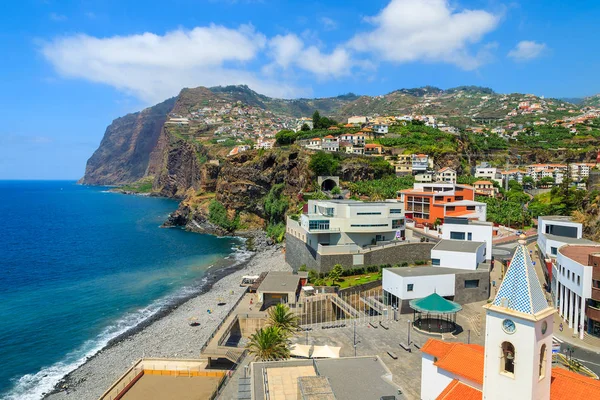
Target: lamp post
column 569, row 350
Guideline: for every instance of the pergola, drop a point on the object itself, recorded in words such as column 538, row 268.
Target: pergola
column 435, row 314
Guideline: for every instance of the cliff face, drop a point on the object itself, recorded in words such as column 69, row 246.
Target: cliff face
column 124, row 153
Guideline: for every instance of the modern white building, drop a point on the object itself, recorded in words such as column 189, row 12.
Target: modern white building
column 555, row 231
column 351, row 223
column 578, row 287
column 469, row 230
column 424, row 177
column 458, row 271
column 458, row 254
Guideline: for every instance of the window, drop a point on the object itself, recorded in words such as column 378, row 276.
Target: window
column 368, row 213
column 459, row 198
column 397, row 223
column 542, row 370
column 435, row 261
column 457, row 235
column 471, row 208
column 508, row 358
column 410, row 287
column 471, row 283
column 367, row 225
column 578, row 280
column 450, row 208
column 553, row 251
column 396, row 211
column 469, row 236
column 318, row 224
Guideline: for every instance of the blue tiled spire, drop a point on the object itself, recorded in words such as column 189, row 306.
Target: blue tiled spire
column 520, row 289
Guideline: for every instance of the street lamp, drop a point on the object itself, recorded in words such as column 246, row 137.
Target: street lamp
column 569, row 350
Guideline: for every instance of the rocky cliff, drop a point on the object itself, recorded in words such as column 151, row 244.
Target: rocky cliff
column 124, row 153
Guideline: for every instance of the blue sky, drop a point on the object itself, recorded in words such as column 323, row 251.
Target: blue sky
column 71, row 67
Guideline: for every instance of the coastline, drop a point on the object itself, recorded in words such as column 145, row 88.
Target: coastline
column 167, row 333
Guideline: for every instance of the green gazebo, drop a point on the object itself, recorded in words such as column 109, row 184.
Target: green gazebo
column 434, row 314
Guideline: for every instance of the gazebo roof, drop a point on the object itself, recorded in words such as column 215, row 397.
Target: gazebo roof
column 435, row 304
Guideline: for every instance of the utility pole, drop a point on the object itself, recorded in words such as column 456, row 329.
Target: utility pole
column 408, row 343
column 354, row 338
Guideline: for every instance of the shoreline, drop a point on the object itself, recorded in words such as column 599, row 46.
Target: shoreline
column 167, row 332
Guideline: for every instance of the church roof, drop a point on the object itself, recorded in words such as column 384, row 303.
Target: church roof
column 520, row 289
column 465, row 361
column 457, row 390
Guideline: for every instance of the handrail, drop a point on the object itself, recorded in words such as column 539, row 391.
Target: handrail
column 212, row 335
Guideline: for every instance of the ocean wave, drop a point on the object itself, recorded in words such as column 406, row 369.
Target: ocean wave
column 35, row 386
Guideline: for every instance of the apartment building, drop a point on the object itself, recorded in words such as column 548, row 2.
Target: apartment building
column 485, row 188
column 426, row 203
column 380, row 129
column 446, row 174
column 465, row 229
column 421, row 163
column 330, row 143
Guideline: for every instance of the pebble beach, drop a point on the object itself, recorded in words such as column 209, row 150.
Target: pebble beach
column 168, row 334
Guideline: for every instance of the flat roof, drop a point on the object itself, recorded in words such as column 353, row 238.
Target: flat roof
column 464, row 203
column 423, row 271
column 343, row 372
column 279, row 283
column 158, row 387
column 462, row 246
column 563, row 218
column 569, row 240
column 578, row 253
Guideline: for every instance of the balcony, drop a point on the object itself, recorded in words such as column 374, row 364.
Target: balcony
column 596, row 294
column 593, row 313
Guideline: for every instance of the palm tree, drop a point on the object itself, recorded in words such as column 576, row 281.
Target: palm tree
column 281, row 317
column 269, row 343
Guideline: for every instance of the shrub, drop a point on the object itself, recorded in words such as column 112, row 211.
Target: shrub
column 217, row 214
column 276, row 232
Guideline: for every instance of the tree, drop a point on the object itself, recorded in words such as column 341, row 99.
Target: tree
column 286, row 136
column 528, row 181
column 336, row 273
column 316, row 120
column 336, row 190
column 546, row 181
column 281, row 317
column 305, row 127
column 269, row 344
column 322, row 164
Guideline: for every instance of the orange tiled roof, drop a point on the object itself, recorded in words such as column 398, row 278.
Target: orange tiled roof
column 436, row 348
column 570, row 385
column 328, row 137
column 461, row 359
column 482, row 183
column 457, row 390
column 372, row 146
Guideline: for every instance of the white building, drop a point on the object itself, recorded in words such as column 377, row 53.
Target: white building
column 314, row 144
column 352, row 224
column 424, row 177
column 577, row 293
column 446, row 174
column 458, row 254
column 487, row 172
column 421, row 162
column 381, row 129
column 555, row 231
column 330, row 143
column 465, row 229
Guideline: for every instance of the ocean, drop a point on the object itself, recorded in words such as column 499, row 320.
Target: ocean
column 79, row 266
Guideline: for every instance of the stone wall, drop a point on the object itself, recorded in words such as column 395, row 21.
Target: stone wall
column 472, row 295
column 299, row 253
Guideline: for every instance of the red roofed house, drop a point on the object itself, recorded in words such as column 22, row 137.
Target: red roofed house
column 484, row 188
column 516, row 362
column 373, row 149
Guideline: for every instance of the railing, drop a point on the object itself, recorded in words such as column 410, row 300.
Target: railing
column 595, row 294
column 212, row 335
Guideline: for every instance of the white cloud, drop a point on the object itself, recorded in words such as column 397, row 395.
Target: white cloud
column 426, row 30
column 527, row 50
column 328, row 23
column 57, row 17
column 153, row 67
column 289, row 50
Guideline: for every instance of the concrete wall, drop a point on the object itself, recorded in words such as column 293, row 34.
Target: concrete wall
column 249, row 326
column 460, row 260
column 298, row 253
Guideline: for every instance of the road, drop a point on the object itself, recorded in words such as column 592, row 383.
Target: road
column 588, row 358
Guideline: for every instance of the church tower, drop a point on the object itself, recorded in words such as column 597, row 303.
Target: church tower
column 518, row 337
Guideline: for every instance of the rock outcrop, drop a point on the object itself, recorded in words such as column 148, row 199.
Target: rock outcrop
column 124, row 153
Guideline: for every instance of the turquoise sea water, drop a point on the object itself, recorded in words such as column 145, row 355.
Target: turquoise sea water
column 78, row 266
